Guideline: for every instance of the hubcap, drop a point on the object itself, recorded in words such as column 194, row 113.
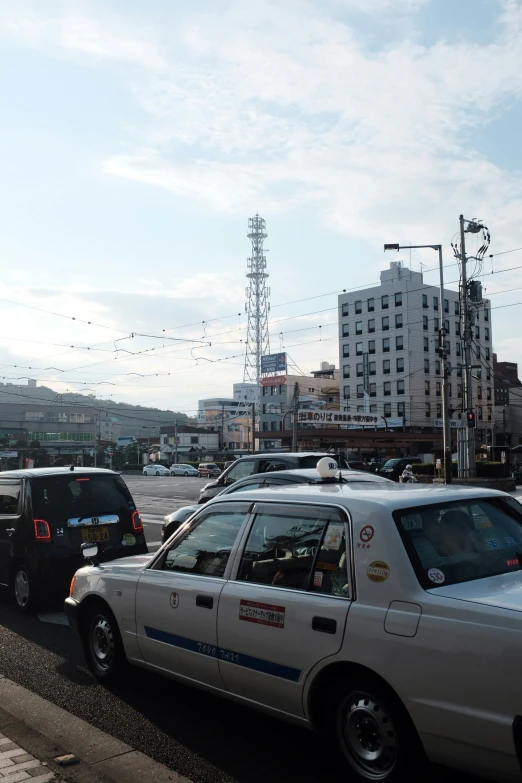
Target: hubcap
column 21, row 586
column 102, row 642
column 368, row 736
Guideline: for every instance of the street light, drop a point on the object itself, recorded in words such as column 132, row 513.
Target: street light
column 442, row 353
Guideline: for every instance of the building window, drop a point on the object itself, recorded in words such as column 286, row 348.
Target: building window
column 479, row 411
column 459, row 372
column 436, row 347
column 385, row 323
column 400, row 365
column 438, row 388
column 265, row 407
column 274, row 391
column 488, row 356
column 426, row 366
column 358, row 307
column 371, row 346
column 373, row 408
column 425, row 322
column 398, row 321
column 346, row 350
column 437, row 368
column 358, row 327
column 385, row 344
column 488, row 374
column 457, row 308
column 457, row 349
column 398, row 300
column 436, row 325
column 427, row 410
column 386, row 367
column 479, row 392
column 486, row 333
column 450, row 392
column 346, row 330
column 346, row 370
column 400, row 387
column 446, row 326
column 345, row 310
column 387, row 410
column 457, row 328
column 360, row 409
column 371, row 305
column 384, row 302
column 426, row 345
column 486, row 315
column 360, row 390
column 346, row 392
column 265, row 426
column 387, row 388
column 401, row 409
column 371, row 325
column 359, row 370
column 446, row 306
column 33, row 416
column 273, row 425
column 488, row 393
column 435, row 303
column 373, row 368
column 459, row 390
column 358, row 349
column 477, row 332
column 477, row 352
column 427, row 388
column 373, row 390
column 266, row 390
column 439, row 410
column 282, row 388
column 489, row 413
column 399, row 343
column 425, row 300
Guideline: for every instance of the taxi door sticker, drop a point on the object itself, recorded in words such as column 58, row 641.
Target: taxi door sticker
column 334, row 537
column 263, row 614
column 378, row 571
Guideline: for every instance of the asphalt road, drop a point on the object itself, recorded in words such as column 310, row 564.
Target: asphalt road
column 205, row 738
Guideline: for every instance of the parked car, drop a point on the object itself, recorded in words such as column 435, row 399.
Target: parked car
column 46, row 514
column 183, row 470
column 155, row 470
column 390, row 620
column 208, row 469
column 393, row 468
column 171, row 522
column 261, row 463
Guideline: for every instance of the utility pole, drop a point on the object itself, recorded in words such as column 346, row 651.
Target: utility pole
column 296, row 412
column 467, row 470
column 448, row 477
column 222, row 444
column 176, row 442
column 253, row 427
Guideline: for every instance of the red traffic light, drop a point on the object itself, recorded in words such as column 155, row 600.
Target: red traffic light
column 470, row 416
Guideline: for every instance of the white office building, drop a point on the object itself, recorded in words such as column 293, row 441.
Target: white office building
column 389, row 360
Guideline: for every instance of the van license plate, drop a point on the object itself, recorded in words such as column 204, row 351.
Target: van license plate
column 92, row 535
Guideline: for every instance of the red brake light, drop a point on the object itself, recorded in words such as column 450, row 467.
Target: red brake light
column 42, row 531
column 137, row 524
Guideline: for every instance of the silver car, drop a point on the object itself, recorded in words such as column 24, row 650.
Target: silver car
column 182, row 469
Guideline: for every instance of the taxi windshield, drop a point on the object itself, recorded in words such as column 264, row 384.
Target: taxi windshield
column 449, row 543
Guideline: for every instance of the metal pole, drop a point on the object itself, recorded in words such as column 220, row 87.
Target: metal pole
column 95, row 445
column 222, row 444
column 176, row 442
column 294, row 422
column 468, row 469
column 445, row 395
column 253, row 427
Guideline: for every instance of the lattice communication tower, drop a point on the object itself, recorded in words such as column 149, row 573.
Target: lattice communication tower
column 257, row 305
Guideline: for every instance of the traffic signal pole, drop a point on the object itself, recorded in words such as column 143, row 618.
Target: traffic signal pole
column 448, row 477
column 467, row 463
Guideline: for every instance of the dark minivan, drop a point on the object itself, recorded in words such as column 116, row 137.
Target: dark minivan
column 393, row 468
column 262, row 463
column 46, row 514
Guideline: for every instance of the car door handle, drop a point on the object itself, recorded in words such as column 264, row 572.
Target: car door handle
column 207, row 601
column 324, row 624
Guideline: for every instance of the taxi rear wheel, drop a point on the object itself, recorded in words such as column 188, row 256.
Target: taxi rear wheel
column 375, row 733
column 102, row 644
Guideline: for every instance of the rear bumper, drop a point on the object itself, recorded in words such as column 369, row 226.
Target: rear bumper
column 71, row 611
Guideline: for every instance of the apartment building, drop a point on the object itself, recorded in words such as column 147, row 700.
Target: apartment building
column 390, row 366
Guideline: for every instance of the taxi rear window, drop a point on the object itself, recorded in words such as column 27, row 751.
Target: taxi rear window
column 455, row 542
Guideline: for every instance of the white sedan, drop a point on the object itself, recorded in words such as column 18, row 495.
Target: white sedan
column 390, row 619
column 155, row 470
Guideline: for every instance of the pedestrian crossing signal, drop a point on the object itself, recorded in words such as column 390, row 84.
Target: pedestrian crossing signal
column 471, row 418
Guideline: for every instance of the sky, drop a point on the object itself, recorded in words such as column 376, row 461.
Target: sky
column 136, row 139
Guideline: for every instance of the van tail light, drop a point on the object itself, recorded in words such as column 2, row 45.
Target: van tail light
column 42, row 531
column 137, row 524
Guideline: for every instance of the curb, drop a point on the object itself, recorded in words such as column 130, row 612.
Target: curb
column 48, row 731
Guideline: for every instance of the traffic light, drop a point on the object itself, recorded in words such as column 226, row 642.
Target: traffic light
column 471, row 418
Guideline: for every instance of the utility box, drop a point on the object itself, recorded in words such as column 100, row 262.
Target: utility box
column 475, row 291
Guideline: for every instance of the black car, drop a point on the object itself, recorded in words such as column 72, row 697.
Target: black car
column 393, row 468
column 46, row 514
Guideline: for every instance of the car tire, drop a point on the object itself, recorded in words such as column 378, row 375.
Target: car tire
column 24, row 591
column 374, row 731
column 102, row 644
column 185, row 474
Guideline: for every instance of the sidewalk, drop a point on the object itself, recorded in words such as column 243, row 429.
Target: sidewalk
column 36, row 734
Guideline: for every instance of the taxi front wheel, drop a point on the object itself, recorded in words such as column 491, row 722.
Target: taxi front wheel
column 376, row 734
column 102, row 644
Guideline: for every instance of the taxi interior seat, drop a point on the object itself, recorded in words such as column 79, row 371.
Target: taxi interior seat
column 9, row 504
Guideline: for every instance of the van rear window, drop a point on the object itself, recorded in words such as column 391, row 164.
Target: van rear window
column 10, row 497
column 59, row 498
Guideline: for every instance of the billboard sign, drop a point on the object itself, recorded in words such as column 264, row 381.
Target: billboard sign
column 455, row 424
column 273, row 362
column 125, row 440
column 353, row 421
column 273, row 380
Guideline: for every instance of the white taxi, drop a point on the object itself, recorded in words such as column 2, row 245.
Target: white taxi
column 390, row 618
